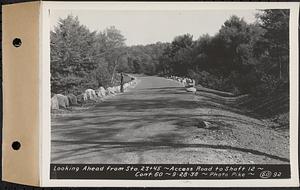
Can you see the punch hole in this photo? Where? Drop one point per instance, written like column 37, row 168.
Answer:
column 16, row 145
column 17, row 42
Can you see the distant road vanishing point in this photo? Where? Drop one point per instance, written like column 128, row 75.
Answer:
column 158, row 122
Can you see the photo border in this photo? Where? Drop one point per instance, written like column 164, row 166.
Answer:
column 45, row 96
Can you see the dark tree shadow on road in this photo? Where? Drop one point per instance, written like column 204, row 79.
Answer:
column 96, row 129
column 154, row 145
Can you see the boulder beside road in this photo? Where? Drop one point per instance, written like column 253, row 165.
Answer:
column 110, row 90
column 54, row 103
column 90, row 94
column 101, row 92
column 80, row 98
column 72, row 99
column 191, row 89
column 63, row 101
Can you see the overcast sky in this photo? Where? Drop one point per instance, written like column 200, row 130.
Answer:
column 146, row 27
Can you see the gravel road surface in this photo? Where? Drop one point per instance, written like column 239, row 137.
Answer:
column 159, row 122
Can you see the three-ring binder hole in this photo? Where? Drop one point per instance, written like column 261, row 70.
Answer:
column 16, row 145
column 17, row 42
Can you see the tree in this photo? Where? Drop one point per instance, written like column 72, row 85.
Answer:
column 145, row 59
column 235, row 37
column 113, row 38
column 82, row 59
column 177, row 56
column 72, row 55
column 102, row 75
column 276, row 38
column 112, row 48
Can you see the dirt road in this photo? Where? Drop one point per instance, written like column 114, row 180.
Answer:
column 159, row 122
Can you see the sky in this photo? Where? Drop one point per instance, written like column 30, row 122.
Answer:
column 147, row 27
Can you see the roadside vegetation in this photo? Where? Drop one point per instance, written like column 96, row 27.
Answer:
column 241, row 58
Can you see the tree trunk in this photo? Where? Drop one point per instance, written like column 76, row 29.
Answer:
column 114, row 70
column 280, row 68
column 115, row 67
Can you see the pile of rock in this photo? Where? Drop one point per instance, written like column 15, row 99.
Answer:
column 188, row 83
column 61, row 101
